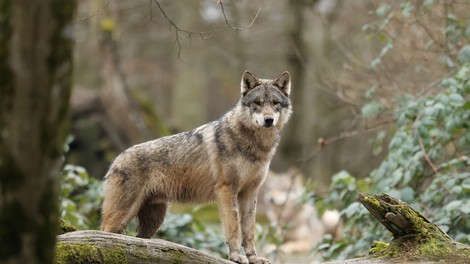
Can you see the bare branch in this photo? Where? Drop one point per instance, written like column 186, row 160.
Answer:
column 322, row 143
column 190, row 33
column 94, row 13
column 426, row 157
column 253, row 19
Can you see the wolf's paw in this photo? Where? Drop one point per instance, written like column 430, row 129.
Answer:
column 258, row 260
column 237, row 258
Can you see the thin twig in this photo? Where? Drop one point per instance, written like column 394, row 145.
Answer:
column 322, row 143
column 238, row 28
column 94, row 13
column 151, row 14
column 426, row 157
column 190, row 33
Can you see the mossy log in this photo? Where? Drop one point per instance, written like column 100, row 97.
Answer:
column 415, row 239
column 102, row 247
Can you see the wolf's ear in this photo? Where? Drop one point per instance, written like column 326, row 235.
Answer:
column 249, row 81
column 283, row 83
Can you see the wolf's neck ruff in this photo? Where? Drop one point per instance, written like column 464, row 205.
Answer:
column 225, row 160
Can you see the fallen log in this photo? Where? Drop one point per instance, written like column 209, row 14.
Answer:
column 101, row 247
column 415, row 239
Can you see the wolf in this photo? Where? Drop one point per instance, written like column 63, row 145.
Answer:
column 225, row 161
column 299, row 223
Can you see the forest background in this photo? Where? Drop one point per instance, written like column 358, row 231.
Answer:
column 381, row 97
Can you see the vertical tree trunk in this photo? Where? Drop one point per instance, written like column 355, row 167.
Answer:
column 291, row 145
column 189, row 95
column 35, row 85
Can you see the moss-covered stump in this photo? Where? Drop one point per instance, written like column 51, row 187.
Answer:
column 65, row 227
column 415, row 238
column 102, row 247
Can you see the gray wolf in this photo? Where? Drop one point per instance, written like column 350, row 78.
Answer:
column 225, row 161
column 298, row 221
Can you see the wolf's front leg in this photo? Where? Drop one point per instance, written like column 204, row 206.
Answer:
column 247, row 202
column 228, row 206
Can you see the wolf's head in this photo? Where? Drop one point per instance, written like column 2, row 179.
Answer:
column 267, row 100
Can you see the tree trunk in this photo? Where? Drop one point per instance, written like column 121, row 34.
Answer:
column 35, row 87
column 291, row 146
column 103, row 247
column 415, row 238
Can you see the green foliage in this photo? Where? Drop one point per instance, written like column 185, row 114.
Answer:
column 427, row 161
column 427, row 166
column 359, row 226
column 81, row 198
column 187, row 230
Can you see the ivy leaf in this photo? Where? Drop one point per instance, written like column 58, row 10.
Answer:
column 406, row 8
column 382, row 10
column 371, row 109
column 456, row 100
column 465, row 208
column 464, row 55
column 454, row 205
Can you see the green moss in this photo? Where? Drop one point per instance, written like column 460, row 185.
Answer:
column 77, row 253
column 434, row 250
column 177, row 256
column 419, row 239
column 65, row 227
column 378, row 247
column 417, row 248
column 88, row 253
column 114, row 255
column 372, row 200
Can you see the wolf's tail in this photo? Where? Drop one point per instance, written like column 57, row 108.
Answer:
column 150, row 218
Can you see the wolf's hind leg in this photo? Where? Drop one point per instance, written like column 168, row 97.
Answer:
column 150, row 218
column 119, row 207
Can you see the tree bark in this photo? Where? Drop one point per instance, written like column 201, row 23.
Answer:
column 415, row 238
column 35, row 87
column 291, row 145
column 103, row 247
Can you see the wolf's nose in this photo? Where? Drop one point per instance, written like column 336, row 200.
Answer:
column 268, row 121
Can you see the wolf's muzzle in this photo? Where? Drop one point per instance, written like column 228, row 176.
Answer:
column 268, row 121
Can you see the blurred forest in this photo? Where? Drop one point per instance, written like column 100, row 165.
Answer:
column 174, row 73
column 380, row 95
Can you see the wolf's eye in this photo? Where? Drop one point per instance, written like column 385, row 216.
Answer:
column 257, row 103
column 276, row 103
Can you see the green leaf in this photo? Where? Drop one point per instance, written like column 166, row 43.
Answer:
column 375, row 63
column 351, row 209
column 371, row 109
column 456, row 100
column 454, row 205
column 407, row 194
column 466, row 184
column 406, row 8
column 465, row 208
column 370, row 93
column 428, row 3
column 382, row 10
column 464, row 55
